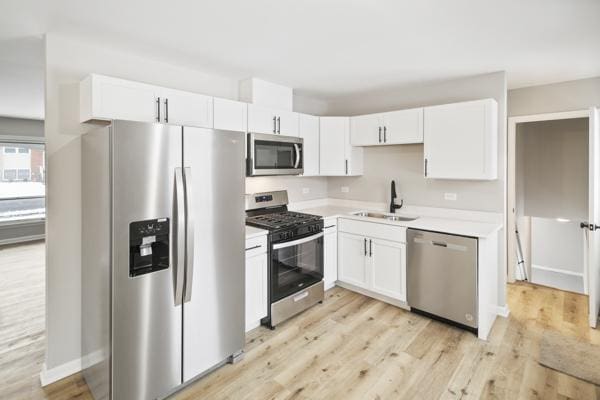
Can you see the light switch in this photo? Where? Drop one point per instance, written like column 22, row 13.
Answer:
column 345, row 189
column 305, row 190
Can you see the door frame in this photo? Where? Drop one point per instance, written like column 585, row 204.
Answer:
column 510, row 220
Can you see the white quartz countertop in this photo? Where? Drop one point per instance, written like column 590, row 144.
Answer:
column 252, row 232
column 430, row 223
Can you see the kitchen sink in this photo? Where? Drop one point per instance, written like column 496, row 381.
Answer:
column 389, row 217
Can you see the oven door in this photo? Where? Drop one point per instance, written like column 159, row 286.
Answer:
column 274, row 155
column 295, row 265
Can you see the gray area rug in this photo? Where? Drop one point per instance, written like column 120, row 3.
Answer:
column 570, row 356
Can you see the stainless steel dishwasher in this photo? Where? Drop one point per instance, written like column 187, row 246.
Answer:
column 442, row 276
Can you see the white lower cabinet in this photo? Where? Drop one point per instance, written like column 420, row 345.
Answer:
column 369, row 262
column 330, row 256
column 256, row 281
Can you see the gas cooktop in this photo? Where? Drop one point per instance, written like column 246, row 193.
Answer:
column 281, row 219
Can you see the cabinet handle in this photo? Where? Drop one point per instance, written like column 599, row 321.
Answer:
column 346, row 167
column 370, row 248
column 254, row 247
column 365, row 247
column 425, row 167
column 274, row 124
column 329, row 226
column 379, row 134
column 279, row 125
column 166, row 110
column 158, row 109
column 385, row 134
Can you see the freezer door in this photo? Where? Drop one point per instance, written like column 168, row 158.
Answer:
column 441, row 275
column 146, row 323
column 213, row 308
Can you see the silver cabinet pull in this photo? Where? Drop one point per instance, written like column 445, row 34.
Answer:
column 189, row 251
column 279, row 125
column 425, row 167
column 158, row 109
column 370, row 248
column 329, row 226
column 166, row 110
column 274, row 124
column 346, row 167
column 179, row 231
column 379, row 134
column 258, row 246
column 385, row 134
column 365, row 247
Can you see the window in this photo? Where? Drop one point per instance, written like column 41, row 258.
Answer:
column 22, row 181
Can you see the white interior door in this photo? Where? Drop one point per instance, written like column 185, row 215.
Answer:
column 593, row 252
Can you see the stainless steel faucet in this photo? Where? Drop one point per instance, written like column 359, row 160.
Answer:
column 393, row 206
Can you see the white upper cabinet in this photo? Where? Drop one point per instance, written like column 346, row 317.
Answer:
column 104, row 98
column 308, row 129
column 185, row 108
column 230, row 115
column 395, row 127
column 403, row 127
column 461, row 140
column 266, row 94
column 269, row 120
column 337, row 155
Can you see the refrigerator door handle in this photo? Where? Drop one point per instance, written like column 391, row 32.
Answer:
column 297, row 149
column 189, row 247
column 180, row 236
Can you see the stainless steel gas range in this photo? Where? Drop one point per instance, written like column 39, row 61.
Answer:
column 295, row 243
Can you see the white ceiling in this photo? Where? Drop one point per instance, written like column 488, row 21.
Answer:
column 333, row 48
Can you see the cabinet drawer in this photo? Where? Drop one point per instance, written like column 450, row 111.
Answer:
column 373, row 230
column 256, row 245
column 330, row 225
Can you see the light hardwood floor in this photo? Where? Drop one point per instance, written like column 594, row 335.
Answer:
column 350, row 347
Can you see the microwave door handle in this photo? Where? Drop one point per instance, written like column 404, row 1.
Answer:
column 189, row 224
column 297, row 148
column 297, row 242
column 179, row 232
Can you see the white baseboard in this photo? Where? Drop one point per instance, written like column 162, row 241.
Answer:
column 503, row 311
column 557, row 278
column 22, row 239
column 48, row 376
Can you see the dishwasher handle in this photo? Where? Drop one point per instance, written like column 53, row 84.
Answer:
column 446, row 245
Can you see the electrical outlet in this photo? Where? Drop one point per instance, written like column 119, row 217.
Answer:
column 450, row 196
column 305, row 190
column 345, row 189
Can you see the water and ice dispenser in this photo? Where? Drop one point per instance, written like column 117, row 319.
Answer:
column 148, row 246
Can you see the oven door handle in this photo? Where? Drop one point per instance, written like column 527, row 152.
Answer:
column 297, row 242
column 297, row 148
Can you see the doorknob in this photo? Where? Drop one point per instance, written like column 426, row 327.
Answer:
column 591, row 227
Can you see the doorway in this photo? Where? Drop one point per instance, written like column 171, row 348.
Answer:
column 552, row 163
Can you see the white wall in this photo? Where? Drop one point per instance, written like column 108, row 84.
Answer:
column 556, row 97
column 21, row 127
column 552, row 169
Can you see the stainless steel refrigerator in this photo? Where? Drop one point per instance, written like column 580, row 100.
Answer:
column 162, row 256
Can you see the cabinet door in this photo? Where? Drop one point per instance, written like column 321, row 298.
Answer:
column 388, row 268
column 121, row 99
column 287, row 123
column 330, row 257
column 404, row 126
column 261, row 119
column 353, row 155
column 188, row 109
column 334, row 132
column 461, row 140
column 366, row 130
column 352, row 260
column 230, row 115
column 308, row 129
column 256, row 290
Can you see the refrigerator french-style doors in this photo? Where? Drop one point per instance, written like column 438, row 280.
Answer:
column 213, row 308
column 146, row 341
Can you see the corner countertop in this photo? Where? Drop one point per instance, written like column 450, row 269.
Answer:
column 252, row 232
column 430, row 223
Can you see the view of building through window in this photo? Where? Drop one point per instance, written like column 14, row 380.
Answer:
column 22, row 181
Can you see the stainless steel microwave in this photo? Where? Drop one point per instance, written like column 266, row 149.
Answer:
column 274, row 155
